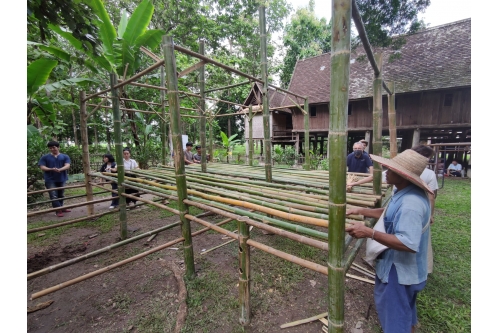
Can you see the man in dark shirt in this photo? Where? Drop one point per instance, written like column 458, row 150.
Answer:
column 55, row 174
column 359, row 162
column 188, row 154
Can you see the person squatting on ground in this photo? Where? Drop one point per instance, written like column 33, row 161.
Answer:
column 454, row 169
column 130, row 164
column 110, row 166
column 55, row 174
column 401, row 270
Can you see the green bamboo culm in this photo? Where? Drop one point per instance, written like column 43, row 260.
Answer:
column 244, row 273
column 392, row 120
column 337, row 151
column 307, row 163
column 265, row 96
column 119, row 155
column 203, row 119
column 180, row 175
column 85, row 151
column 377, row 125
column 163, row 124
column 211, row 141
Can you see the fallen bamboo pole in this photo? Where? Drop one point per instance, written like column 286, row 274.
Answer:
column 102, row 250
column 56, row 188
column 115, row 265
column 304, row 321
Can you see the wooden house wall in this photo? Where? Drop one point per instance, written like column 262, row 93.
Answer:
column 421, row 109
column 320, row 122
column 278, row 121
column 258, row 126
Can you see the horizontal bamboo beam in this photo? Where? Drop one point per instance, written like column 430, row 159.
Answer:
column 191, row 69
column 80, row 219
column 56, row 188
column 229, row 86
column 138, row 75
column 230, row 69
column 115, row 265
column 65, row 198
column 39, row 212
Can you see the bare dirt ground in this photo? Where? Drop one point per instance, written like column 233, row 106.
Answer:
column 142, row 296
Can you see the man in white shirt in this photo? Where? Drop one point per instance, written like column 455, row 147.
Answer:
column 454, row 169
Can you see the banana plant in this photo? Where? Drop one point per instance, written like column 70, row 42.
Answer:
column 228, row 143
column 120, row 49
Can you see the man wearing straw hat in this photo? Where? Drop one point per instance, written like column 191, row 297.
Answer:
column 401, row 270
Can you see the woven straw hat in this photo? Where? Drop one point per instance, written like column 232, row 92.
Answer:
column 409, row 165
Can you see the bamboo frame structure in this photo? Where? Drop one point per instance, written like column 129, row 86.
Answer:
column 296, row 196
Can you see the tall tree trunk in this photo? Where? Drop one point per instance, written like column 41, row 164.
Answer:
column 73, row 111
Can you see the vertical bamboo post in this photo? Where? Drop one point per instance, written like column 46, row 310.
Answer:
column 416, row 137
column 307, row 162
column 337, row 152
column 85, row 148
column 250, row 135
column 392, row 120
column 244, row 273
column 164, row 115
column 211, row 140
column 119, row 155
column 367, row 138
column 265, row 96
column 180, row 172
column 203, row 119
column 377, row 125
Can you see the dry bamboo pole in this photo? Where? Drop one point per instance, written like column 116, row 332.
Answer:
column 80, row 219
column 303, row 321
column 102, row 250
column 203, row 120
column 307, row 162
column 50, row 210
column 164, row 114
column 337, row 152
column 392, row 121
column 85, row 151
column 65, row 198
column 377, row 125
column 173, row 98
column 115, row 265
column 119, row 156
column 265, row 96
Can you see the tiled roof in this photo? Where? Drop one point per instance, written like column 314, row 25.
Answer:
column 436, row 58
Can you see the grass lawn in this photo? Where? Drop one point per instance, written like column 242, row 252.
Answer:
column 445, row 303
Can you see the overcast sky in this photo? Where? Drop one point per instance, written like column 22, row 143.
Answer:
column 439, row 11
